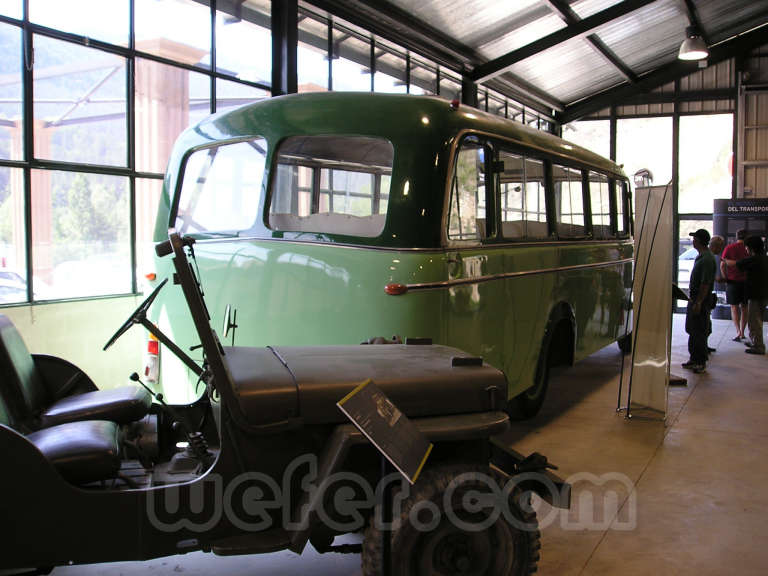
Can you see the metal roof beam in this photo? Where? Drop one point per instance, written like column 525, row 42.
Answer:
column 613, row 58
column 718, row 94
column 491, row 69
column 695, row 20
column 741, row 44
column 571, row 18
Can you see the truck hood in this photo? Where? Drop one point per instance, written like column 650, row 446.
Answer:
column 279, row 383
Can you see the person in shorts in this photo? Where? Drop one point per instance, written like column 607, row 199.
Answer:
column 734, row 283
column 756, row 267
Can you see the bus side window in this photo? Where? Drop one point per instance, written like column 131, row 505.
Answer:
column 512, row 183
column 466, row 217
column 600, row 204
column 523, row 198
column 569, row 201
column 535, row 210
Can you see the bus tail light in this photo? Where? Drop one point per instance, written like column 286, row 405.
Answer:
column 152, row 364
column 395, row 289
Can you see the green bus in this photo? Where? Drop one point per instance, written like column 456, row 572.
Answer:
column 337, row 218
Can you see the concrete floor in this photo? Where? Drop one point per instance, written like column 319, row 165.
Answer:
column 685, row 496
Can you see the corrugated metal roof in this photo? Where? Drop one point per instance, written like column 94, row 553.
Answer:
column 463, row 19
column 580, row 70
column 723, row 18
column 493, row 45
column 648, row 37
column 643, row 40
column 586, row 8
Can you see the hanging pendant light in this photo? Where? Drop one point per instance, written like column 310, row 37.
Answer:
column 693, row 47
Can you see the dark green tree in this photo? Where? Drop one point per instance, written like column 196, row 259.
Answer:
column 89, row 216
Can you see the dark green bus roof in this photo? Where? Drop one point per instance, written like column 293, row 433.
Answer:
column 387, row 115
column 422, row 129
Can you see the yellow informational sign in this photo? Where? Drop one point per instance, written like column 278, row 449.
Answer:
column 388, row 429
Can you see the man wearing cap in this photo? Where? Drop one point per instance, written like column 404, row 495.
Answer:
column 734, row 278
column 697, row 312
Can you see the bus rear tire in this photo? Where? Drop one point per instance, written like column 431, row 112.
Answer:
column 528, row 403
column 625, row 344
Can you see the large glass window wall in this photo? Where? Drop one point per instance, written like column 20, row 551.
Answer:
column 88, row 123
column 704, row 169
column 594, row 135
column 706, row 145
column 645, row 144
column 81, row 175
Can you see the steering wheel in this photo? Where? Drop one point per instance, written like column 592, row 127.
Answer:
column 138, row 315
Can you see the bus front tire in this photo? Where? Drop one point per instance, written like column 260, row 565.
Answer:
column 427, row 539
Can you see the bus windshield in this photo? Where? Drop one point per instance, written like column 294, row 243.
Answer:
column 221, row 188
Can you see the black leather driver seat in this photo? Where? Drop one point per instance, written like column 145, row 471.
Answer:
column 82, row 452
column 23, row 386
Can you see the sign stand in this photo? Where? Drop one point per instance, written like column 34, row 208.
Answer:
column 400, row 443
column 386, row 520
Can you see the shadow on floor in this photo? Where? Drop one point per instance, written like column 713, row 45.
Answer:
column 594, row 379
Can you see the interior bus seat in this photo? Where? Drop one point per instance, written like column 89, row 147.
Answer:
column 601, row 231
column 82, row 452
column 536, row 229
column 23, row 386
column 337, row 223
column 513, row 229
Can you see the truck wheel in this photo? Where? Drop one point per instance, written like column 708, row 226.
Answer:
column 429, row 541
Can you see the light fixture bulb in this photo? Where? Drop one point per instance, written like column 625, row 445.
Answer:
column 693, row 47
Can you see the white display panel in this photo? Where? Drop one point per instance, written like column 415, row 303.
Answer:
column 652, row 330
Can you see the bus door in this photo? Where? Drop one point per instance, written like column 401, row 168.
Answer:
column 474, row 298
column 523, row 230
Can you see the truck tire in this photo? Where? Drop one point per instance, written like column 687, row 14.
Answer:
column 426, row 544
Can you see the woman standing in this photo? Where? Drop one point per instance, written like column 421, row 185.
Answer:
column 756, row 287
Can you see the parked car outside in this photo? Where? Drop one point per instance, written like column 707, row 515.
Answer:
column 13, row 288
column 684, row 267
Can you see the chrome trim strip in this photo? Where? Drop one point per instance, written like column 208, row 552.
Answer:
column 480, row 279
column 627, row 241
